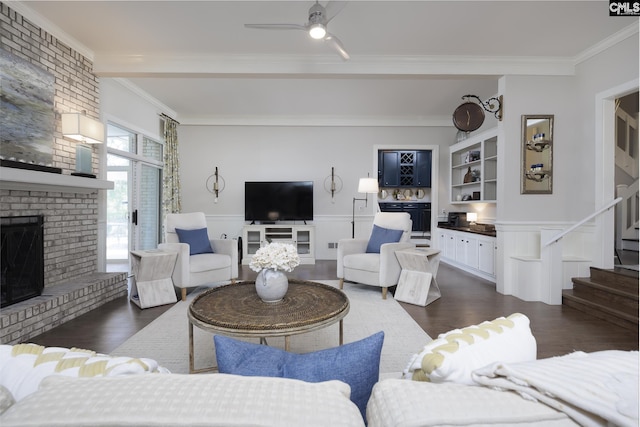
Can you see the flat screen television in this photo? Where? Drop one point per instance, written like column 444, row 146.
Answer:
column 278, row 201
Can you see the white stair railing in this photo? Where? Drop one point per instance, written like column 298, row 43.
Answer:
column 566, row 231
column 551, row 256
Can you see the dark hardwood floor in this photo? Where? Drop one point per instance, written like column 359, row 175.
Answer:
column 466, row 300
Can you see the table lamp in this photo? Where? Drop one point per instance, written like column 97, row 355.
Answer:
column 472, row 217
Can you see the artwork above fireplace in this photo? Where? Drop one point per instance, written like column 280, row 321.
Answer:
column 27, row 111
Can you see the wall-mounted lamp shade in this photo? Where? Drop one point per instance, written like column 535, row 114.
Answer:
column 82, row 128
column 472, row 217
column 368, row 185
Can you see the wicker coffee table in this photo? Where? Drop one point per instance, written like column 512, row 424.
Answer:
column 236, row 310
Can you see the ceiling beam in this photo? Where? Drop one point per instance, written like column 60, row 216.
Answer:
column 106, row 65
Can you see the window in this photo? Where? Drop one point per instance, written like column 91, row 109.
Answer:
column 134, row 164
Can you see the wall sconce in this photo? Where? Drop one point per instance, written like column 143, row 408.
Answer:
column 214, row 184
column 368, row 186
column 333, row 183
column 80, row 127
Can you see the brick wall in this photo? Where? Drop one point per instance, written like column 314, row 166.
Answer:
column 71, row 220
column 59, row 304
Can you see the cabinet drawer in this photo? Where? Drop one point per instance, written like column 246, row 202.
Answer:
column 391, row 207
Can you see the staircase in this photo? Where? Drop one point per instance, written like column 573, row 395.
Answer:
column 630, row 243
column 610, row 295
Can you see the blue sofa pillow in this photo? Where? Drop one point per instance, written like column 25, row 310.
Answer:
column 381, row 235
column 356, row 363
column 198, row 240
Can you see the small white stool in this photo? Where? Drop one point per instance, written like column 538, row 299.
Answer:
column 151, row 284
column 417, row 284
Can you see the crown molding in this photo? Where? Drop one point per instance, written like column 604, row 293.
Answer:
column 605, row 44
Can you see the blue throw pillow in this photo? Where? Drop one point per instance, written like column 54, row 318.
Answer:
column 198, row 240
column 356, row 363
column 381, row 235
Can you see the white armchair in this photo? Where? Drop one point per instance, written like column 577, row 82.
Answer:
column 375, row 269
column 202, row 268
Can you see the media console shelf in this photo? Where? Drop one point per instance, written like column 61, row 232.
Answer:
column 300, row 236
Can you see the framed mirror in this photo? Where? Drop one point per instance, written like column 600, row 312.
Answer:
column 537, row 154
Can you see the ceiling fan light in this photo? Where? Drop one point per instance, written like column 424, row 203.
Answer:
column 317, row 31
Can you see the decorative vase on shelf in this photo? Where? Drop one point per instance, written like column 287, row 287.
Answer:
column 271, row 285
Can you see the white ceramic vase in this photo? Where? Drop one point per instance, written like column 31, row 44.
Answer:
column 271, row 285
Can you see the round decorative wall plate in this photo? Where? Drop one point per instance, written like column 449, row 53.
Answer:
column 468, row 117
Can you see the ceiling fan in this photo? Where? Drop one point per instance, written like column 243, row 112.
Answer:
column 319, row 17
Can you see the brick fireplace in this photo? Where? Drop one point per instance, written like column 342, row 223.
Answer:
column 68, row 204
column 68, row 208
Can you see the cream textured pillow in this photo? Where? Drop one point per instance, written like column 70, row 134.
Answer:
column 455, row 354
column 24, row 366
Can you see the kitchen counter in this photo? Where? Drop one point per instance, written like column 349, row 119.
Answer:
column 387, row 201
column 467, row 229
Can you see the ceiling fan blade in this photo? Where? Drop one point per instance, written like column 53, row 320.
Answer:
column 333, row 8
column 276, row 26
column 337, row 45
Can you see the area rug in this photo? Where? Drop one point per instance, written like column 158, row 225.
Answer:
column 166, row 339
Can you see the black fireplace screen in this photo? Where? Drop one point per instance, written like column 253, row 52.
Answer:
column 22, row 261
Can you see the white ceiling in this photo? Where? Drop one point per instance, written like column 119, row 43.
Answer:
column 410, row 60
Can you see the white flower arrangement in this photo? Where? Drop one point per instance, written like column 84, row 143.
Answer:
column 278, row 256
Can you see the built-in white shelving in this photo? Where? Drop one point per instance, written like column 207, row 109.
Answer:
column 474, row 166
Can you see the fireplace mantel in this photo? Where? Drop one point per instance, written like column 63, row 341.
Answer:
column 23, row 179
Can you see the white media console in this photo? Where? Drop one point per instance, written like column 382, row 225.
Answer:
column 300, row 236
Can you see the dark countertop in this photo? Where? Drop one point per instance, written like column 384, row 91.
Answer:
column 467, row 229
column 401, row 201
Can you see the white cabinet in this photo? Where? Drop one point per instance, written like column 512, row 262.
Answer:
column 474, row 166
column 471, row 252
column 487, row 255
column 467, row 249
column 300, row 236
column 447, row 243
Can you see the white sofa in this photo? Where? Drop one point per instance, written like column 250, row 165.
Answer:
column 448, row 382
column 184, row 400
column 70, row 387
column 400, row 402
column 157, row 399
column 588, row 389
column 488, row 374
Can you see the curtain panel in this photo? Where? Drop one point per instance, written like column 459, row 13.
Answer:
column 171, row 202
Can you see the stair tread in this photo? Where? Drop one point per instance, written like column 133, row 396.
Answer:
column 579, row 305
column 586, row 281
column 618, row 271
column 629, row 314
